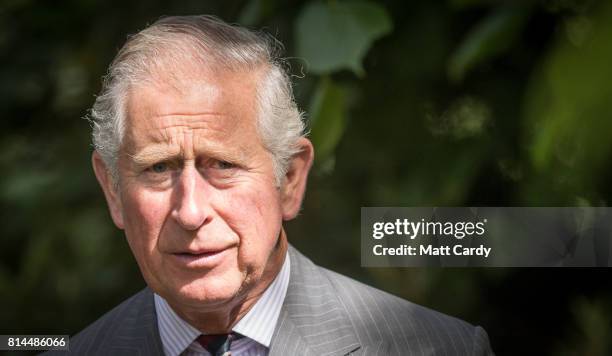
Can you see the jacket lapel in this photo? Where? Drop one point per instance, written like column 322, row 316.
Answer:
column 138, row 333
column 312, row 320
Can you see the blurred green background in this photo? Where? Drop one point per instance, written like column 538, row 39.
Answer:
column 410, row 103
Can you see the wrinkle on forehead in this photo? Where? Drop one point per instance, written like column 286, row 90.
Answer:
column 202, row 127
column 185, row 142
column 169, row 127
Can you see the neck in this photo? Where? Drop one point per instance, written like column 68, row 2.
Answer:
column 222, row 319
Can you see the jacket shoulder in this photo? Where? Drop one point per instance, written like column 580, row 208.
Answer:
column 380, row 318
column 126, row 321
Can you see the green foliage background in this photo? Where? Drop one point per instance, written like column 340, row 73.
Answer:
column 421, row 103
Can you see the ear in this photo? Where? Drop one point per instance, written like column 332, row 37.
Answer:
column 294, row 183
column 106, row 182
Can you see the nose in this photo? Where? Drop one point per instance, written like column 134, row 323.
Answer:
column 191, row 209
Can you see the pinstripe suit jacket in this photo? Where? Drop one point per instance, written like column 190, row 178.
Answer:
column 324, row 313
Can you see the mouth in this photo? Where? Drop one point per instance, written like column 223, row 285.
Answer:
column 201, row 259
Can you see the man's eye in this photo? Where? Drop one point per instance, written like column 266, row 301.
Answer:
column 223, row 165
column 159, row 167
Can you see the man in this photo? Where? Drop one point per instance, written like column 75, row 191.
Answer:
column 201, row 154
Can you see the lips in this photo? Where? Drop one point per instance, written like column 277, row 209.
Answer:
column 201, row 258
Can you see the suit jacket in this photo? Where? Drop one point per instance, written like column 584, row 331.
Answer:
column 324, row 313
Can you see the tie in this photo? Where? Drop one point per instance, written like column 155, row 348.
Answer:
column 219, row 344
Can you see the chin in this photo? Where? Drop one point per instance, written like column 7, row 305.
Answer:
column 208, row 291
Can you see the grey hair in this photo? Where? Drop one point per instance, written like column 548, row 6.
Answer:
column 166, row 47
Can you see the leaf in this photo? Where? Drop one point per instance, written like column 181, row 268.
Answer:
column 569, row 105
column 337, row 35
column 490, row 38
column 328, row 120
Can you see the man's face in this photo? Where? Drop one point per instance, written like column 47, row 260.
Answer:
column 198, row 198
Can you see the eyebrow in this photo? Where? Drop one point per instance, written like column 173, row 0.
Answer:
column 163, row 153
column 155, row 153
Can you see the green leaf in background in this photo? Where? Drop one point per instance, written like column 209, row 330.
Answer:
column 491, row 37
column 568, row 106
column 328, row 119
column 336, row 35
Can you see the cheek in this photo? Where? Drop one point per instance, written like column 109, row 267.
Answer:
column 144, row 215
column 255, row 215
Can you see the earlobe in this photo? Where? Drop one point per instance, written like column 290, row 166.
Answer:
column 108, row 187
column 295, row 180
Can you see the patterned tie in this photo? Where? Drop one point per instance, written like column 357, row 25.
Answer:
column 219, row 344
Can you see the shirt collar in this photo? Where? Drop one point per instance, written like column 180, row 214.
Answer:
column 258, row 324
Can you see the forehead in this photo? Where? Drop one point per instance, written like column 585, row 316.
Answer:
column 220, row 105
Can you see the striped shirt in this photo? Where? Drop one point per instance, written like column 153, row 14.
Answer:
column 179, row 337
